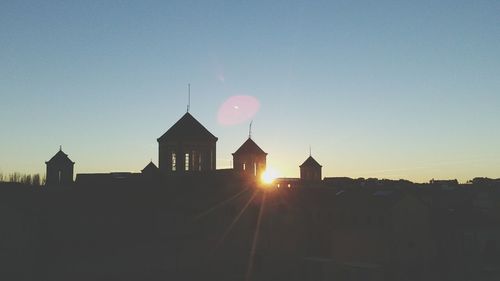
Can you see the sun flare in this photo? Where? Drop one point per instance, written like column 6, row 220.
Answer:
column 269, row 176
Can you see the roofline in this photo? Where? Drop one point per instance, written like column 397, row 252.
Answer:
column 47, row 162
column 248, row 153
column 214, row 137
column 303, row 165
column 211, row 136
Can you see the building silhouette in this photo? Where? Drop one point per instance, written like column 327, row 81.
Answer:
column 187, row 146
column 214, row 225
column 250, row 159
column 310, row 170
column 150, row 170
column 59, row 169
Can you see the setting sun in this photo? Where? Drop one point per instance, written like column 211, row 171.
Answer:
column 269, row 176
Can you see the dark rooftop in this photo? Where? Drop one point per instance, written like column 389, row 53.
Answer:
column 249, row 147
column 60, row 156
column 187, row 128
column 310, row 162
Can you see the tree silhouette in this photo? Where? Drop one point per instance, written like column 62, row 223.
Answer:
column 27, row 179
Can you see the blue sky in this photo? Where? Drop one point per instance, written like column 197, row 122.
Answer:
column 388, row 89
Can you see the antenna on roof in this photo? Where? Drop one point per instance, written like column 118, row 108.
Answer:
column 309, row 150
column 250, row 130
column 189, row 96
column 60, row 147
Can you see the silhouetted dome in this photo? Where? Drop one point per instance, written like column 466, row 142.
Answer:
column 310, row 162
column 187, row 129
column 249, row 147
column 60, row 157
column 150, row 167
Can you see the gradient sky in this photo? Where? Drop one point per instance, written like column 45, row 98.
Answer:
column 387, row 89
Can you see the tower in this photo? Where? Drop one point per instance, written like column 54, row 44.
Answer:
column 310, row 170
column 250, row 159
column 187, row 146
column 59, row 169
column 150, row 171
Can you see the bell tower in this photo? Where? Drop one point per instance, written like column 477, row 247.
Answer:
column 310, row 170
column 59, row 169
column 187, row 146
column 250, row 159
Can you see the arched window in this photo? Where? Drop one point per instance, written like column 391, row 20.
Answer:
column 174, row 161
column 186, row 161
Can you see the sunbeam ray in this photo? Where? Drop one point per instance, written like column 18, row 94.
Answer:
column 255, row 239
column 220, row 204
column 235, row 220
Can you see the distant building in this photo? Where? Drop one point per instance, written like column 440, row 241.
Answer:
column 287, row 183
column 150, row 170
column 250, row 159
column 59, row 169
column 187, row 146
column 341, row 181
column 445, row 184
column 310, row 170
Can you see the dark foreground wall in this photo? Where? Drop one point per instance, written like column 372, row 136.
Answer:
column 230, row 229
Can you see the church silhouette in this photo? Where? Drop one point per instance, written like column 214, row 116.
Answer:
column 187, row 220
column 186, row 148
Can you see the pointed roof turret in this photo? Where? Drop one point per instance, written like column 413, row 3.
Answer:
column 310, row 162
column 150, row 167
column 187, row 128
column 59, row 157
column 249, row 147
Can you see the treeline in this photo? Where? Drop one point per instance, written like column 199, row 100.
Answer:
column 29, row 179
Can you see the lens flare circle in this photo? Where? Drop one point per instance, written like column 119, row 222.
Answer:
column 237, row 109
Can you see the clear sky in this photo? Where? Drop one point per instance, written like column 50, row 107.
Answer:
column 388, row 89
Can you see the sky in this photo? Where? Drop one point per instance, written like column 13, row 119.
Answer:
column 386, row 89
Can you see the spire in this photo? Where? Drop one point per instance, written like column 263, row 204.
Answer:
column 60, row 147
column 189, row 97
column 310, row 154
column 250, row 130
